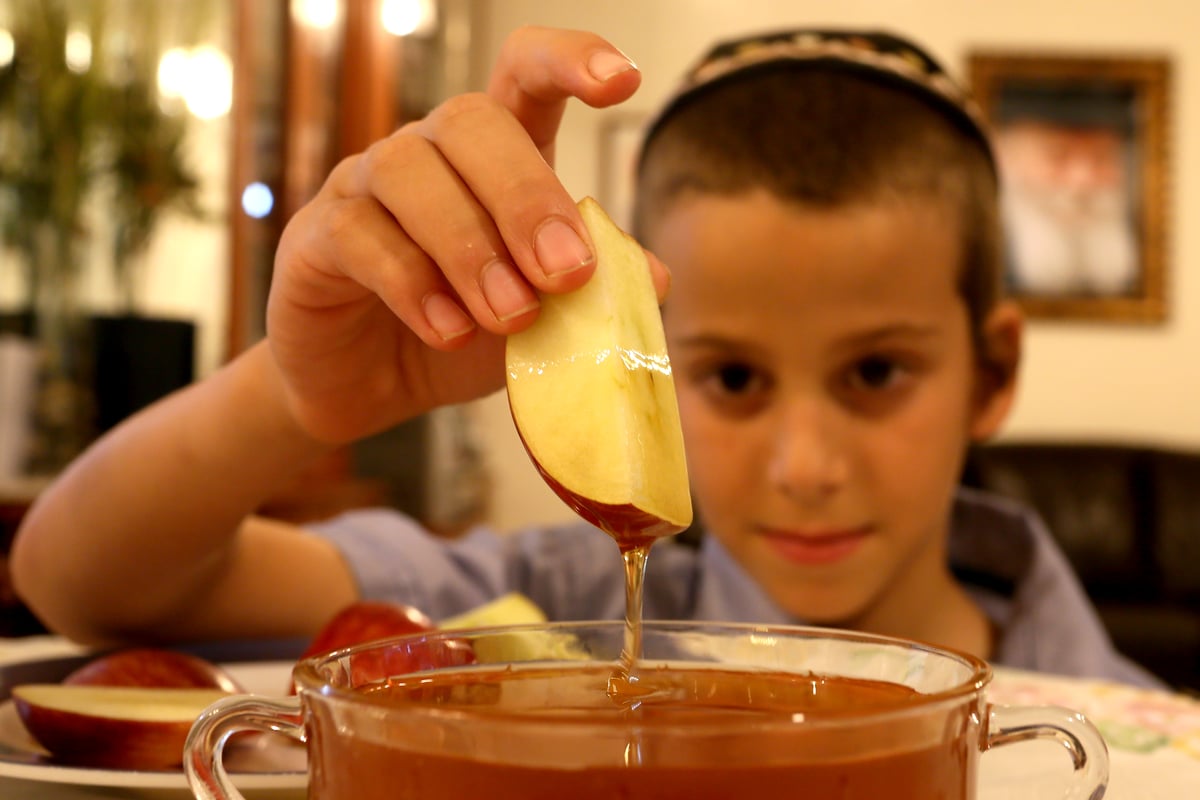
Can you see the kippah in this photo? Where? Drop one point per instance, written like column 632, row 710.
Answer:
column 883, row 56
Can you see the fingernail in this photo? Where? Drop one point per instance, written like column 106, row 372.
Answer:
column 505, row 291
column 605, row 64
column 559, row 249
column 446, row 317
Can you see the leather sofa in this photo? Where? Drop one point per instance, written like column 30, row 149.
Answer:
column 1128, row 518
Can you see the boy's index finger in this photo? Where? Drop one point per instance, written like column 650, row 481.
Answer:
column 540, row 69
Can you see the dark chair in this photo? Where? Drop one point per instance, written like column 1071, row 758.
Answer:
column 1128, row 519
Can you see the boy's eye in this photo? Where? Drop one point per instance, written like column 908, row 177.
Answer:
column 734, row 378
column 733, row 387
column 875, row 372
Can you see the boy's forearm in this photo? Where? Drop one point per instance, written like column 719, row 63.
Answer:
column 147, row 517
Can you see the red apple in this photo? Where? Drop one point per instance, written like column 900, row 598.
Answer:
column 114, row 727
column 367, row 621
column 593, row 398
column 152, row 667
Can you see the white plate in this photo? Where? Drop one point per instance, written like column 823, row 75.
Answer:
column 270, row 763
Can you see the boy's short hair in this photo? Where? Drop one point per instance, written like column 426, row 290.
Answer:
column 827, row 119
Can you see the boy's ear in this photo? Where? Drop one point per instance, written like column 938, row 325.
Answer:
column 996, row 369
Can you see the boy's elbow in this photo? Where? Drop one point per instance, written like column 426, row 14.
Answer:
column 26, row 565
column 37, row 571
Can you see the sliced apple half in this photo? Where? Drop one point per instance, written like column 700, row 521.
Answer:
column 115, row 727
column 591, row 392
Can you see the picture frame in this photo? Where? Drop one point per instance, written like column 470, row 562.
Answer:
column 1081, row 147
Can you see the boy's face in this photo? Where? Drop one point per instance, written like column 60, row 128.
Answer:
column 828, row 388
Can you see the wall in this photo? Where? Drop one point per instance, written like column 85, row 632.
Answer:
column 1107, row 381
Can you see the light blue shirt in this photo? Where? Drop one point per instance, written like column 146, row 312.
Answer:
column 1000, row 551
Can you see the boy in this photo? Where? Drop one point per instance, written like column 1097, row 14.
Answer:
column 827, row 202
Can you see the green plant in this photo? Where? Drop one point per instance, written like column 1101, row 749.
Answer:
column 51, row 123
column 86, row 155
column 71, row 138
column 150, row 175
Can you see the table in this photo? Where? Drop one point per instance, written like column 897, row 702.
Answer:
column 1153, row 739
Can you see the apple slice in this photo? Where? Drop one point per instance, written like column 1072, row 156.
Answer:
column 153, row 667
column 114, row 727
column 591, row 392
column 513, row 608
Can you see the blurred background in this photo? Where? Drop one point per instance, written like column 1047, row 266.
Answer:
column 152, row 150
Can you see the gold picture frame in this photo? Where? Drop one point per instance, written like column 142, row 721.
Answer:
column 1081, row 144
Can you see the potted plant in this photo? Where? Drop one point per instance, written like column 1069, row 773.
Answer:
column 49, row 166
column 86, row 148
column 140, row 358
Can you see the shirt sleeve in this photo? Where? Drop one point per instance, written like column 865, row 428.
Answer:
column 570, row 571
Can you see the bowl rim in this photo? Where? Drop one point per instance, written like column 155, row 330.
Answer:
column 309, row 680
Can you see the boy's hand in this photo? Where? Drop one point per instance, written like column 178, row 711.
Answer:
column 394, row 287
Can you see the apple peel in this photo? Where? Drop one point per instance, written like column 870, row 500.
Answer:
column 150, row 667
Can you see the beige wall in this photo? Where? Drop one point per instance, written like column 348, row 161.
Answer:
column 1079, row 380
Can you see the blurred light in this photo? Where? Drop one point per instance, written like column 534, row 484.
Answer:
column 202, row 77
column 210, row 86
column 78, row 51
column 257, row 200
column 315, row 13
column 8, row 47
column 404, row 17
column 173, row 71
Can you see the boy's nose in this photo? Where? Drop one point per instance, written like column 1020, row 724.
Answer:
column 807, row 462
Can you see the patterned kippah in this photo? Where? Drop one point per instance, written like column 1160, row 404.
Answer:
column 882, row 56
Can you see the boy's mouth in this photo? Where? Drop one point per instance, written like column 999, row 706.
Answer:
column 816, row 547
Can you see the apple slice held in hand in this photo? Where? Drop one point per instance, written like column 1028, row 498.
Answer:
column 114, row 727
column 591, row 392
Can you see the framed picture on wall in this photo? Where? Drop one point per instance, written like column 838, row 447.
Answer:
column 1081, row 143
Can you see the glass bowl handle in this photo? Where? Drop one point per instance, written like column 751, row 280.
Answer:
column 203, row 753
column 1071, row 729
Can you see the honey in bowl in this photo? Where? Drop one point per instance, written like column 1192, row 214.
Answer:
column 719, row 710
column 696, row 731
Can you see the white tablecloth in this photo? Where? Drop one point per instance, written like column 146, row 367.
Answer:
column 1153, row 740
column 34, row 648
